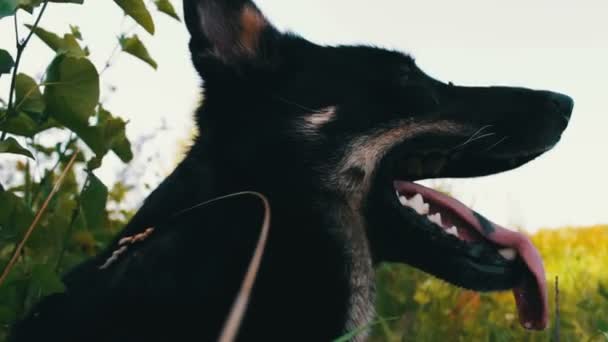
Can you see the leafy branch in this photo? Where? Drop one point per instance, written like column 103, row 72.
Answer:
column 20, row 48
column 39, row 214
column 50, row 218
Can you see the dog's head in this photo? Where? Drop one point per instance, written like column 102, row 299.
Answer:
column 363, row 123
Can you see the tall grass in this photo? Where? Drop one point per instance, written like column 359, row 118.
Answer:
column 431, row 310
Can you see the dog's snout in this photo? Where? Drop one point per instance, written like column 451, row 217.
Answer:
column 561, row 105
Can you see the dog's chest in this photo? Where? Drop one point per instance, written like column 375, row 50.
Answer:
column 351, row 229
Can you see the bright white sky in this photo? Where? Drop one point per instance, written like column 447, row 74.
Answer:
column 555, row 45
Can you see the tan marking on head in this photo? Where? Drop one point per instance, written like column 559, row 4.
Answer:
column 252, row 25
column 312, row 122
column 351, row 177
column 365, row 152
column 321, row 117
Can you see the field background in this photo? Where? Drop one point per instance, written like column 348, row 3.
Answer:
column 418, row 307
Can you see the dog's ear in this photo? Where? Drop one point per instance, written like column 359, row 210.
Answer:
column 229, row 30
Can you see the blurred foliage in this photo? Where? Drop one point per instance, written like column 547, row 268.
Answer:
column 44, row 122
column 431, row 310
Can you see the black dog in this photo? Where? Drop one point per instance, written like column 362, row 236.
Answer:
column 333, row 137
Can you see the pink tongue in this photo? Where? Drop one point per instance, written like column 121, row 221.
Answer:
column 531, row 294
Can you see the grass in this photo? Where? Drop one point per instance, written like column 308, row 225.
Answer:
column 431, row 310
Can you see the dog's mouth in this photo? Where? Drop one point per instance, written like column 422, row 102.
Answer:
column 457, row 244
column 504, row 250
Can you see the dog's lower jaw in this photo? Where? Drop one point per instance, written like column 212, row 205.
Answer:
column 350, row 228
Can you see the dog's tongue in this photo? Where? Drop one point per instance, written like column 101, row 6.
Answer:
column 531, row 293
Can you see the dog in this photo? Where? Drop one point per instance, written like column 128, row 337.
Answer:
column 332, row 138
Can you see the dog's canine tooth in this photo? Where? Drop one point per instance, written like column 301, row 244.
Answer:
column 403, row 200
column 436, row 219
column 508, row 253
column 452, row 231
column 426, row 208
column 417, row 203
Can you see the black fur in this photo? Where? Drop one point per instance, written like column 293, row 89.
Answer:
column 178, row 284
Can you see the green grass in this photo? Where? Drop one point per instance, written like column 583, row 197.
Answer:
column 431, row 310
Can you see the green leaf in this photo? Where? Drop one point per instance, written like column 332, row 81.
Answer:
column 6, row 61
column 10, row 145
column 76, row 32
column 44, row 281
column 15, row 216
column 20, row 125
column 7, row 7
column 68, row 1
column 119, row 143
column 166, row 7
column 67, row 44
column 24, row 125
column 603, row 291
column 108, row 134
column 72, row 91
column 49, row 38
column 29, row 5
column 28, row 97
column 135, row 47
column 137, row 10
column 51, row 232
column 94, row 198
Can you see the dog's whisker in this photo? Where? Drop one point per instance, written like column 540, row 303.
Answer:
column 470, row 141
column 479, row 131
column 289, row 102
column 497, row 143
column 473, row 136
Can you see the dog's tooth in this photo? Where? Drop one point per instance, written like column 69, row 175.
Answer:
column 417, row 203
column 508, row 253
column 436, row 219
column 403, row 200
column 417, row 199
column 426, row 208
column 452, row 231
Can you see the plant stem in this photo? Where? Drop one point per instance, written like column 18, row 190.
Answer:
column 556, row 328
column 20, row 48
column 51, row 171
column 39, row 214
column 75, row 214
column 15, row 22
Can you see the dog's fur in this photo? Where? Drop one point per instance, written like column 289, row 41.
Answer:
column 321, row 131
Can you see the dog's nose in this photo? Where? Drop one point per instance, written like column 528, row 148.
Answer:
column 561, row 104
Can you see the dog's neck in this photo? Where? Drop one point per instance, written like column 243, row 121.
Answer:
column 349, row 227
